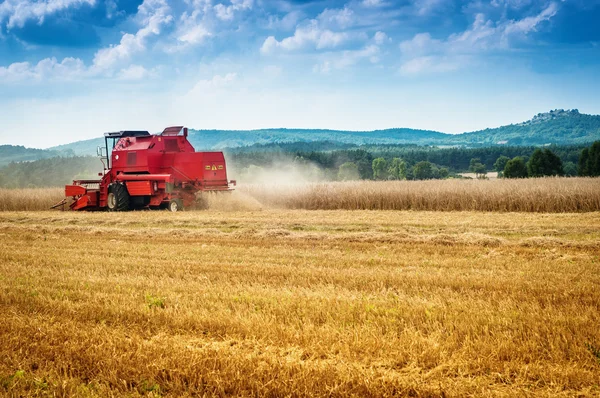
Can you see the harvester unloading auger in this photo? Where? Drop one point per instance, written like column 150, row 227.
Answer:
column 150, row 171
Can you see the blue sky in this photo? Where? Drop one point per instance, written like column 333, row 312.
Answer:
column 72, row 69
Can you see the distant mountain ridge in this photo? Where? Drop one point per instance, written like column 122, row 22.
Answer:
column 560, row 127
column 18, row 153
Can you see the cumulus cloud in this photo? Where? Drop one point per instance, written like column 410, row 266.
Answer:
column 191, row 30
column 287, row 22
column 381, row 38
column 227, row 13
column 348, row 27
column 310, row 35
column 133, row 72
column 348, row 58
column 17, row 12
column 420, row 44
column 372, row 3
column 67, row 69
column 427, row 7
column 340, row 18
column 423, row 53
column 154, row 14
column 207, row 87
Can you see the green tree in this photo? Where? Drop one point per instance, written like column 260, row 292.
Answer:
column 570, row 169
column 478, row 168
column 583, row 167
column 595, row 159
column 500, row 164
column 348, row 171
column 397, row 169
column 379, row 168
column 363, row 160
column 544, row 163
column 422, row 170
column 444, row 172
column 515, row 168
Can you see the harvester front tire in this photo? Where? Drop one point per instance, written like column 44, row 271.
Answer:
column 175, row 205
column 118, row 198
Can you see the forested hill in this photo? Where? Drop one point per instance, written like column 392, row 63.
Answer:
column 17, row 153
column 557, row 127
column 218, row 139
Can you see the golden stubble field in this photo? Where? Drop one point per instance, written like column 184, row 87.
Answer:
column 297, row 302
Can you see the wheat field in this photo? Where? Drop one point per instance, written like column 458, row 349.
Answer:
column 294, row 302
column 544, row 195
column 504, row 195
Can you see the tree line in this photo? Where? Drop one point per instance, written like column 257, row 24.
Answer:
column 400, row 162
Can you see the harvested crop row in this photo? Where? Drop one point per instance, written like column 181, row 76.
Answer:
column 90, row 306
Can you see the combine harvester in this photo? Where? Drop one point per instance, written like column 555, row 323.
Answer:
column 149, row 171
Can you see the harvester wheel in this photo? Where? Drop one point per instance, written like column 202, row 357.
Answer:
column 118, row 198
column 175, row 205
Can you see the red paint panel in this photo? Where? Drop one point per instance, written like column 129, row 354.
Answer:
column 139, row 188
column 74, row 190
column 81, row 203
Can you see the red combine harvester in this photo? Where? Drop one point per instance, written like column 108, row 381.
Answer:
column 150, row 171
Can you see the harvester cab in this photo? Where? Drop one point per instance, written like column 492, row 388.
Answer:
column 142, row 170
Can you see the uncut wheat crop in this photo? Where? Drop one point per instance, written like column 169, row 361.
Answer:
column 554, row 195
column 30, row 198
column 527, row 195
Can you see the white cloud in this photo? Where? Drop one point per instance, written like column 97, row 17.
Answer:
column 427, row 7
column 344, row 59
column 112, row 9
column 199, row 5
column 134, row 72
column 423, row 53
column 530, row 24
column 48, row 68
column 431, row 64
column 421, row 43
column 288, row 22
column 510, row 3
column 154, row 14
column 194, row 35
column 310, row 35
column 227, row 13
column 372, row 3
column 20, row 11
column 341, row 18
column 191, row 30
column 207, row 87
column 381, row 38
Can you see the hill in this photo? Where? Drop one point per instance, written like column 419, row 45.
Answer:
column 17, row 153
column 559, row 127
column 221, row 139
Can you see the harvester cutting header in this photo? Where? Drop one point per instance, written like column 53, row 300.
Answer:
column 150, row 171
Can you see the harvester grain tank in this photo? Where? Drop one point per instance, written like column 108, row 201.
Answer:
column 150, row 171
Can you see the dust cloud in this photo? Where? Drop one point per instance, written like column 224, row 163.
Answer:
column 281, row 174
column 281, row 177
